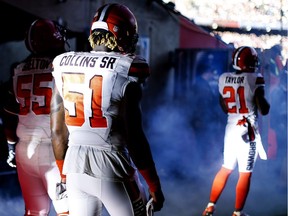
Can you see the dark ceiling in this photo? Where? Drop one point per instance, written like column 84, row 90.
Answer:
column 14, row 22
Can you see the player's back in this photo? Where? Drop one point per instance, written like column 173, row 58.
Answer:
column 238, row 91
column 33, row 84
column 92, row 86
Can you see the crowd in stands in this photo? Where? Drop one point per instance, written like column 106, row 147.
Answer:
column 257, row 14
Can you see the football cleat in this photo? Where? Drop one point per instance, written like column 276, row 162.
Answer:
column 209, row 211
column 63, row 214
column 237, row 213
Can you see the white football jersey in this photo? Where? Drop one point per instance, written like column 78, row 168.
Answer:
column 92, row 86
column 33, row 84
column 238, row 93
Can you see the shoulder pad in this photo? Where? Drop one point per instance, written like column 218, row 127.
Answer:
column 139, row 68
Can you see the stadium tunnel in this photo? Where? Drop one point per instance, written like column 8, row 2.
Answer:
column 15, row 21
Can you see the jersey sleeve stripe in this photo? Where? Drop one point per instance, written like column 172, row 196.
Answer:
column 139, row 70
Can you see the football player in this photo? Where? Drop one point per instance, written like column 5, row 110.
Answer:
column 242, row 95
column 27, row 121
column 98, row 95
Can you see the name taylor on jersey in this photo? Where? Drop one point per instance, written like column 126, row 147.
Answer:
column 234, row 80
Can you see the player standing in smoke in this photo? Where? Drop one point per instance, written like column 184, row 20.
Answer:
column 242, row 96
column 99, row 102
column 27, row 121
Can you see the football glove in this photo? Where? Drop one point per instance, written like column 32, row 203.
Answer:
column 61, row 192
column 150, row 208
column 11, row 160
column 61, row 202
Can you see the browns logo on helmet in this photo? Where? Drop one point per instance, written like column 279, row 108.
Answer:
column 45, row 37
column 121, row 22
column 245, row 58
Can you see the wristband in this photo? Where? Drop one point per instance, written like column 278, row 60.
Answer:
column 11, row 145
column 151, row 177
column 60, row 164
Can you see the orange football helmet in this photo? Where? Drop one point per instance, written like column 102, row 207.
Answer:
column 121, row 22
column 245, row 58
column 45, row 37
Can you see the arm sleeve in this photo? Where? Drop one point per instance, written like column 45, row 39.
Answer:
column 222, row 104
column 10, row 111
column 261, row 102
column 59, row 130
column 138, row 145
